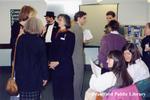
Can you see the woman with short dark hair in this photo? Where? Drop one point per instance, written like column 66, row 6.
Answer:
column 61, row 60
column 113, row 25
column 136, row 67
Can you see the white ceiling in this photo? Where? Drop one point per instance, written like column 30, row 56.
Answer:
column 124, row 0
column 81, row 1
column 103, row 0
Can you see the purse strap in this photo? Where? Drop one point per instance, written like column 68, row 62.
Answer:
column 14, row 58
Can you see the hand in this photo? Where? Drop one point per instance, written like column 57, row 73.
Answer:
column 44, row 82
column 101, row 65
column 53, row 64
column 43, row 31
column 147, row 49
column 23, row 22
column 21, row 31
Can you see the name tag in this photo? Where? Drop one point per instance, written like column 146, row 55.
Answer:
column 62, row 38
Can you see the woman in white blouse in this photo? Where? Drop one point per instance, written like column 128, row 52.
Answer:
column 137, row 69
column 117, row 76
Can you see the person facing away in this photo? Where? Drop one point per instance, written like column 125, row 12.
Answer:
column 78, row 54
column 31, row 61
column 117, row 77
column 109, row 42
column 26, row 12
column 61, row 60
column 137, row 69
column 146, row 45
column 110, row 15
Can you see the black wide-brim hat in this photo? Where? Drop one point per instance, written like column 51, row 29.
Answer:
column 49, row 14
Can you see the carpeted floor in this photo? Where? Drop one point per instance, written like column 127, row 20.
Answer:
column 47, row 91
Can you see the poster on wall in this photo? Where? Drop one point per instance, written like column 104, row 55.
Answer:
column 14, row 15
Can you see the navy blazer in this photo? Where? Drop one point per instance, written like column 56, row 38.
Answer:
column 62, row 51
column 146, row 54
column 31, row 63
column 15, row 30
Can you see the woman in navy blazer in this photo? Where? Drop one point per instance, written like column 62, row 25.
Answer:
column 61, row 60
column 31, row 71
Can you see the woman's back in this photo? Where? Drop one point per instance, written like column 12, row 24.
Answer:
column 30, row 61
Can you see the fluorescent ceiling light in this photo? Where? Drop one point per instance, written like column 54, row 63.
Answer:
column 99, row 1
column 148, row 1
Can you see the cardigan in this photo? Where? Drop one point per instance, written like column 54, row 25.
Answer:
column 110, row 42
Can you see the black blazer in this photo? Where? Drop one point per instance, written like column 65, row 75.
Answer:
column 146, row 55
column 54, row 31
column 31, row 63
column 62, row 50
column 15, row 30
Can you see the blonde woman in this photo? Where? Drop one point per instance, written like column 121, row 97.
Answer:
column 31, row 62
column 17, row 28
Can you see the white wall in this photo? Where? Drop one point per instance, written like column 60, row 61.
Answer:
column 130, row 12
column 69, row 7
column 149, row 12
column 5, row 58
column 5, row 6
column 58, row 6
column 89, row 1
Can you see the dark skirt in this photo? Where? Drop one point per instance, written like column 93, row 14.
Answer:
column 34, row 95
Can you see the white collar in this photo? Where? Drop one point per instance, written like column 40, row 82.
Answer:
column 114, row 32
column 138, row 60
column 52, row 24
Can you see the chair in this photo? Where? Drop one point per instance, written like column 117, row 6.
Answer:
column 99, row 97
column 144, row 88
column 92, row 95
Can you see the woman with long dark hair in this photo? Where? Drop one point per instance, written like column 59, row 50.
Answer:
column 116, row 77
column 137, row 69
